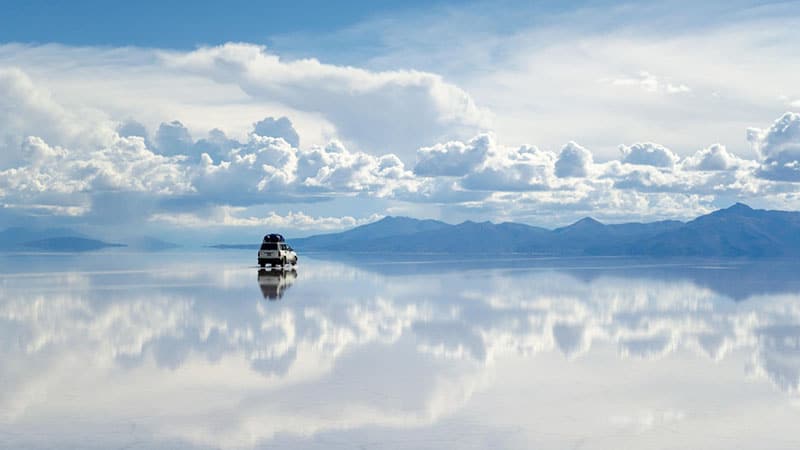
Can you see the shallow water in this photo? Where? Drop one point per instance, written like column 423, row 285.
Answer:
column 201, row 350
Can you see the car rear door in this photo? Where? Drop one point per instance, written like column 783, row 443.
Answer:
column 269, row 250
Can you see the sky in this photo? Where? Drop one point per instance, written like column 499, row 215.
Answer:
column 210, row 121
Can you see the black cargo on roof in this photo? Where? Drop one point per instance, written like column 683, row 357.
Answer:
column 273, row 238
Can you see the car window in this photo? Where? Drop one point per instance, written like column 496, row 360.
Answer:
column 269, row 246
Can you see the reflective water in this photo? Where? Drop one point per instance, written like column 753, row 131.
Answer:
column 204, row 350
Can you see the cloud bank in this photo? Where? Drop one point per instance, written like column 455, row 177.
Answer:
column 67, row 159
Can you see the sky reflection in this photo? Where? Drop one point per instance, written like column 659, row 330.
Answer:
column 166, row 353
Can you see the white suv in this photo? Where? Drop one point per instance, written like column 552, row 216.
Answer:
column 274, row 251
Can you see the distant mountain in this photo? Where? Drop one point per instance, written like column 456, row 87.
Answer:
column 735, row 231
column 14, row 237
column 386, row 228
column 236, row 246
column 49, row 239
column 466, row 237
column 591, row 237
column 68, row 244
column 150, row 244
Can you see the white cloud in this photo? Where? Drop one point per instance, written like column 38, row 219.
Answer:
column 390, row 111
column 173, row 139
column 335, row 169
column 650, row 83
column 645, row 80
column 573, row 161
column 264, row 165
column 280, row 127
column 438, row 190
column 715, row 157
column 677, row 88
column 779, row 148
column 453, row 158
column 230, row 216
column 268, row 170
column 125, row 165
column 646, row 420
column 513, row 169
column 26, row 109
column 648, row 154
column 484, row 165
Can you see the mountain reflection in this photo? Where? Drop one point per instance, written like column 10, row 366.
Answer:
column 274, row 282
column 358, row 348
column 736, row 278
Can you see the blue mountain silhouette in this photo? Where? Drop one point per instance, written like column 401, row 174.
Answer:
column 48, row 239
column 736, row 231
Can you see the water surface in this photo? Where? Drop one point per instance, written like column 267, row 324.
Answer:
column 203, row 350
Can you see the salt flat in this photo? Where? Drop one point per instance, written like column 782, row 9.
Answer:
column 201, row 350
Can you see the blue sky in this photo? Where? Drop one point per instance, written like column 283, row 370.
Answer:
column 185, row 25
column 210, row 120
column 182, row 25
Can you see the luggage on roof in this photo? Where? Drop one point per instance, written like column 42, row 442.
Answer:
column 273, row 238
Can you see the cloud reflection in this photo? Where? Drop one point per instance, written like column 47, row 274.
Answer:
column 348, row 348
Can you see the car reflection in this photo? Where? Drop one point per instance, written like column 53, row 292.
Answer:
column 275, row 282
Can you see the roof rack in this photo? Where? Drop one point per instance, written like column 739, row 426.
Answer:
column 273, row 238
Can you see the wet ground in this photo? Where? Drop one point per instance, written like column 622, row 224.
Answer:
column 204, row 350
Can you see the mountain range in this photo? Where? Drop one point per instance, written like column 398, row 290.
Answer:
column 67, row 240
column 735, row 231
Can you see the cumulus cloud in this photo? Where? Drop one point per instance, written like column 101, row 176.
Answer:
column 573, row 161
column 779, row 148
column 440, row 190
column 26, row 109
column 713, row 158
column 173, row 138
column 392, row 111
column 484, row 165
column 513, row 169
column 217, row 145
column 334, row 168
column 648, row 179
column 648, row 154
column 268, row 169
column 264, row 165
column 125, row 165
column 453, row 158
column 280, row 127
column 132, row 128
